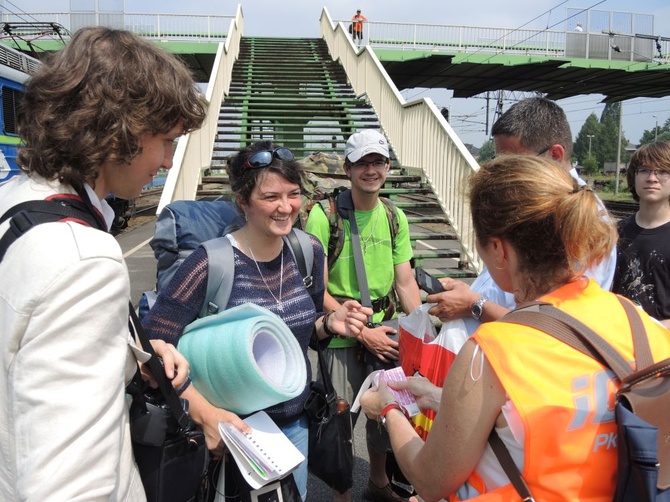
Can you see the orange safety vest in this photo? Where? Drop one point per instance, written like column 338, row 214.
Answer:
column 565, row 399
column 357, row 20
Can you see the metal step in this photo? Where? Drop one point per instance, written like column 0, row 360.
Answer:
column 290, row 91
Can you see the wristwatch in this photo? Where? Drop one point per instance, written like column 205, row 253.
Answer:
column 478, row 308
column 387, row 408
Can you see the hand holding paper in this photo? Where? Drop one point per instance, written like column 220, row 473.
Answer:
column 403, row 397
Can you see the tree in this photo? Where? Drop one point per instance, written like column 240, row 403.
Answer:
column 591, row 128
column 649, row 135
column 607, row 146
column 590, row 165
column 487, row 151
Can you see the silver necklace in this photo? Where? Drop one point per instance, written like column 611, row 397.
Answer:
column 281, row 271
column 364, row 243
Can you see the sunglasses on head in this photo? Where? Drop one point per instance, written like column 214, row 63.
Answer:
column 264, row 157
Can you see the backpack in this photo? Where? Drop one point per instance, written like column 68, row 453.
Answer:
column 336, row 207
column 642, row 409
column 26, row 215
column 182, row 226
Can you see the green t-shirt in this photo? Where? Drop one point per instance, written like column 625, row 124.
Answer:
column 378, row 255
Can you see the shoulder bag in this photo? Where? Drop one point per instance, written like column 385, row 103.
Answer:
column 331, row 454
column 171, row 453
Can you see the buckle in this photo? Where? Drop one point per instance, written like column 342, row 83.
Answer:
column 381, row 304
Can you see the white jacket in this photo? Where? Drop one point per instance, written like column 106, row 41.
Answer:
column 64, row 291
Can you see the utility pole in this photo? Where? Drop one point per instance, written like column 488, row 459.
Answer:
column 590, row 136
column 655, row 129
column 618, row 149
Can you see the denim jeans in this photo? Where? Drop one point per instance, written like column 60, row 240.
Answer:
column 298, row 433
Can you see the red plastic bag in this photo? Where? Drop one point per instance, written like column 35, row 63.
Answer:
column 429, row 358
column 415, row 330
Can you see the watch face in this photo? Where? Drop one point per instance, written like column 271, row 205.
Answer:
column 477, row 310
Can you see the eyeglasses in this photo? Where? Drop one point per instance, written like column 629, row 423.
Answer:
column 377, row 164
column 264, row 157
column 544, row 150
column 660, row 175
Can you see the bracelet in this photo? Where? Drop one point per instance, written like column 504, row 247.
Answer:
column 185, row 386
column 387, row 409
column 326, row 329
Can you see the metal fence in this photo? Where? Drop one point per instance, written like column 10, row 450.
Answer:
column 588, row 44
column 173, row 27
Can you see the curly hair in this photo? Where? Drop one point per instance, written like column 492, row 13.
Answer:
column 91, row 103
column 243, row 180
column 558, row 229
column 653, row 155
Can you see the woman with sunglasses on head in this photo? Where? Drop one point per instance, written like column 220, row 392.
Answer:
column 266, row 181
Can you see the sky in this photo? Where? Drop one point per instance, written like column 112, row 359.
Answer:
column 300, row 18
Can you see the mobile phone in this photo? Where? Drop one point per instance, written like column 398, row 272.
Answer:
column 427, row 282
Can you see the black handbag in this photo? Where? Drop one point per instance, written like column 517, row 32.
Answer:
column 171, row 453
column 331, row 454
column 238, row 490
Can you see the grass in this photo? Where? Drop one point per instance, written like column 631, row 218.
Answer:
column 606, row 192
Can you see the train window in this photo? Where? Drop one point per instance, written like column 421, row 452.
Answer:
column 10, row 103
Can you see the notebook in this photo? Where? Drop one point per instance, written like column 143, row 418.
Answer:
column 265, row 454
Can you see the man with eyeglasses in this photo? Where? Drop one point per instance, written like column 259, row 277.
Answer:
column 387, row 265
column 533, row 126
column 643, row 261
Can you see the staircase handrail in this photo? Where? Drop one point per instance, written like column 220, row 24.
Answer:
column 416, row 130
column 194, row 150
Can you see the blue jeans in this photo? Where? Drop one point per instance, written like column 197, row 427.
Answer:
column 298, row 433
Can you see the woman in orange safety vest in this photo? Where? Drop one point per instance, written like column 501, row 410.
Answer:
column 537, row 232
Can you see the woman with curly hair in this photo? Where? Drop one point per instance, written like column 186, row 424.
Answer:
column 99, row 117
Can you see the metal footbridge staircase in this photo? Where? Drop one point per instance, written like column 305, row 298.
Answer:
column 290, row 91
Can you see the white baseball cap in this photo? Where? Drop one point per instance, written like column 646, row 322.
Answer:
column 364, row 142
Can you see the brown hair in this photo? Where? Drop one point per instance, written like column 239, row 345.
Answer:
column 538, row 123
column 244, row 180
column 92, row 102
column 558, row 229
column 652, row 155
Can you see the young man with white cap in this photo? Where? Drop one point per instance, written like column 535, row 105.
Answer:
column 387, row 264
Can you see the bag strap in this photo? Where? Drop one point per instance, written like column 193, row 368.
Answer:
column 301, row 246
column 221, row 268
column 28, row 214
column 510, row 468
column 155, row 365
column 573, row 332
column 359, row 264
column 325, row 374
column 220, row 274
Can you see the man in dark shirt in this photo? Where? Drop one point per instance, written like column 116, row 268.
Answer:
column 643, row 260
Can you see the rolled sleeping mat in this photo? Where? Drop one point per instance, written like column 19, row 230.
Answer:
column 244, row 359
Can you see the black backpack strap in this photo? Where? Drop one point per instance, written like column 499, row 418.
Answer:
column 26, row 215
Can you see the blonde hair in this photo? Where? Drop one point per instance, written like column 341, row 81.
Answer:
column 558, row 229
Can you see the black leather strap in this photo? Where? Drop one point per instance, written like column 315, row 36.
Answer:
column 157, row 370
column 510, row 468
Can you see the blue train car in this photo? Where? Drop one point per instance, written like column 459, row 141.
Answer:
column 15, row 68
